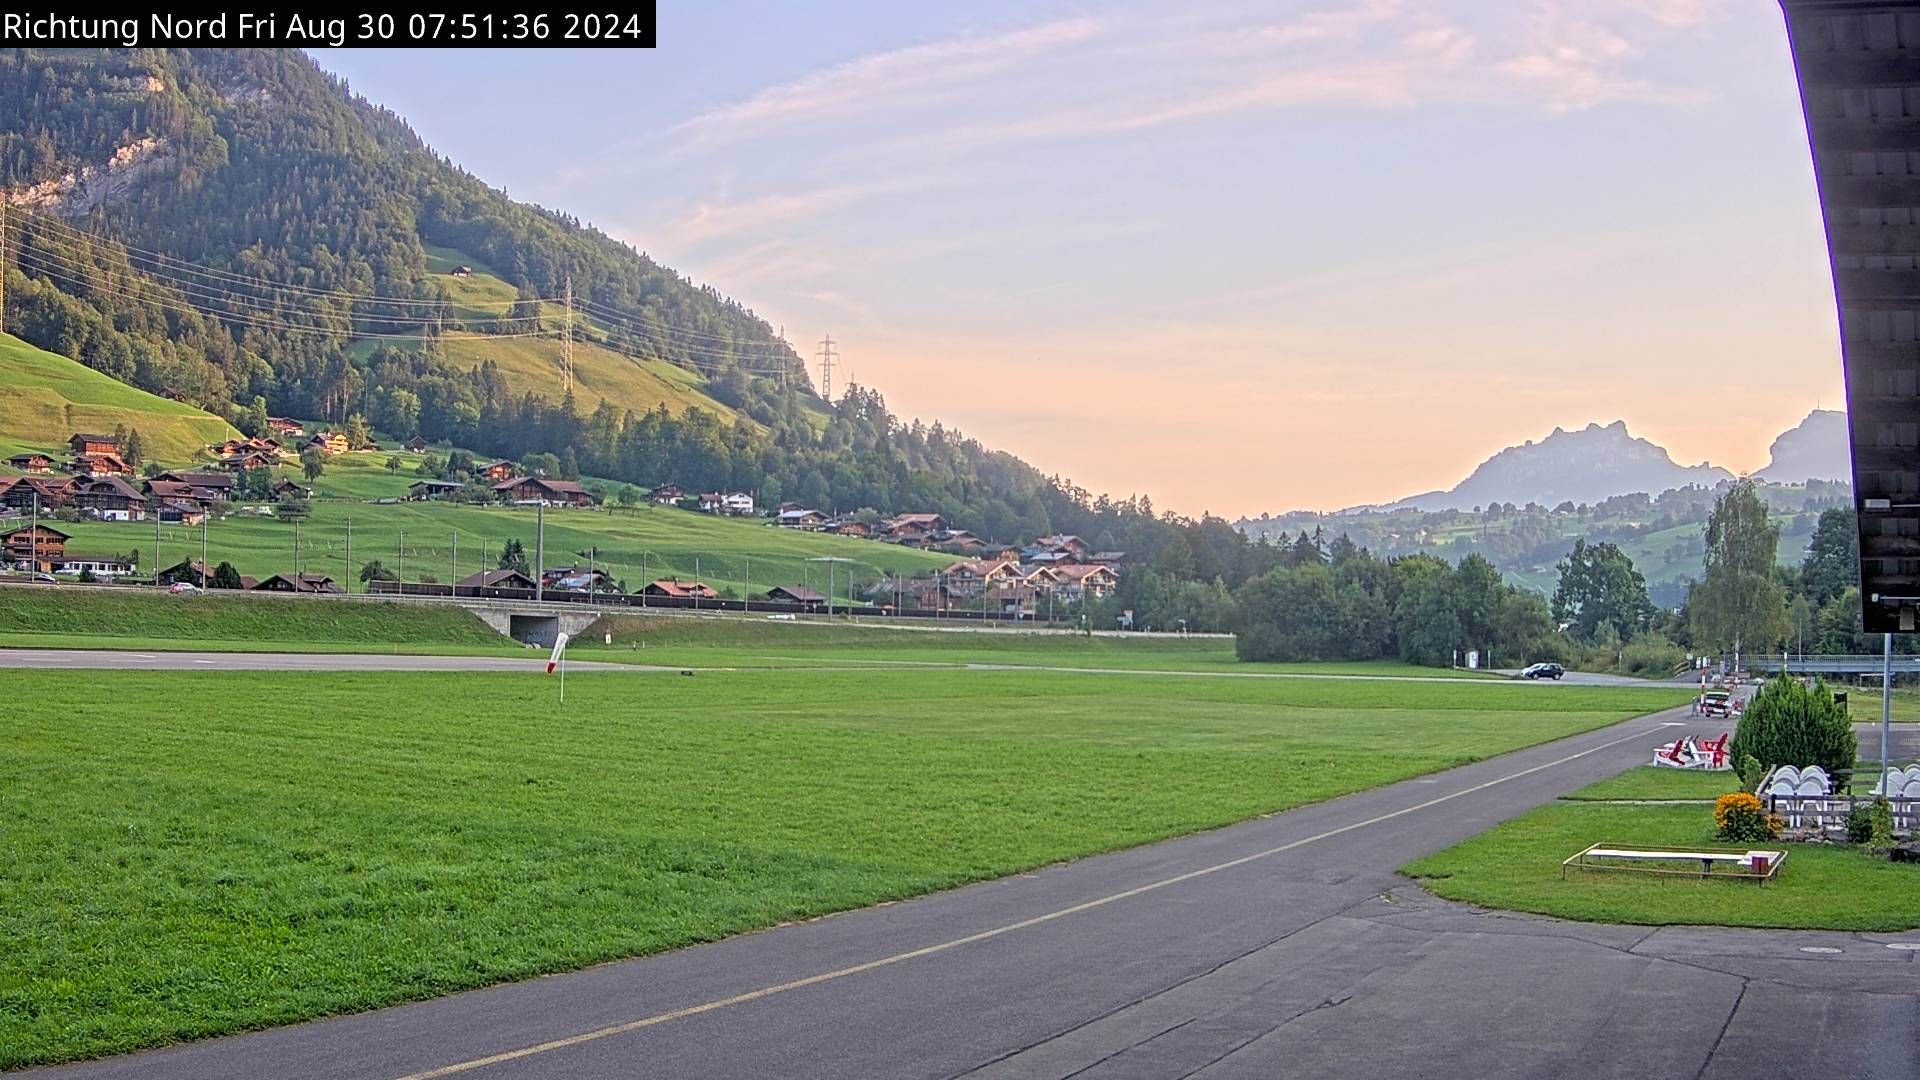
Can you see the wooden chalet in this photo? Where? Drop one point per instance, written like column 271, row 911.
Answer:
column 109, row 498
column 666, row 494
column 432, row 490
column 31, row 463
column 34, row 547
column 23, row 492
column 498, row 470
column 795, row 594
column 206, row 487
column 675, row 588
column 496, row 579
column 310, row 584
column 100, row 465
column 83, row 444
column 539, row 488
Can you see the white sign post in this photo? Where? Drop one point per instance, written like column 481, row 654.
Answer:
column 558, row 660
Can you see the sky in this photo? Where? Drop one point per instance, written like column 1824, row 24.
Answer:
column 1240, row 257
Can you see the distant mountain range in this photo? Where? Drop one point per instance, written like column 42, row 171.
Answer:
column 1595, row 463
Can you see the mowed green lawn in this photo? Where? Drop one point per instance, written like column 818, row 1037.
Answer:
column 197, row 853
column 1516, row 865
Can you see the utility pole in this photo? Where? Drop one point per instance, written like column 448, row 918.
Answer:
column 400, row 562
column 827, row 357
column 350, row 556
column 203, row 547
column 296, row 547
column 566, row 343
column 156, row 546
column 1886, row 711
column 453, row 566
column 33, row 538
column 540, row 551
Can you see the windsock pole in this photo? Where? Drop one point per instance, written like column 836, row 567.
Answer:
column 558, row 660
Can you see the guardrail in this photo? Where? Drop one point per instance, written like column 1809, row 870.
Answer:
column 1861, row 664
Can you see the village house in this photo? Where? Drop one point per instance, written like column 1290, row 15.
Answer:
column 31, row 463
column 1108, row 558
column 1080, row 580
column 729, row 503
column 247, row 461
column 432, row 490
column 191, row 572
column 285, row 427
column 673, row 588
column 109, row 498
column 849, row 527
column 804, row 520
column 1072, row 548
column 182, row 513
column 496, row 579
column 34, row 547
column 462, row 270
column 285, row 489
column 416, row 445
column 201, row 486
column 497, row 470
column 24, row 492
column 99, row 566
column 84, row 444
column 968, row 577
column 915, row 530
column 327, row 442
column 540, row 489
column 795, row 594
column 579, row 579
column 310, row 584
column 99, row 465
column 666, row 494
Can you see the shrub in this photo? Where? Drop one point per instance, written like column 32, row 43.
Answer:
column 1651, row 654
column 1871, row 824
column 1751, row 771
column 1790, row 724
column 1741, row 818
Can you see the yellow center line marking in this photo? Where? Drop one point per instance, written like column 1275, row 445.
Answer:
column 986, row 935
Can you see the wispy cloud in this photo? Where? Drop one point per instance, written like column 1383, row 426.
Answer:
column 896, row 78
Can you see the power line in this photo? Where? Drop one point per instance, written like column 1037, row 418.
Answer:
column 241, row 305
column 214, row 293
column 244, row 320
column 170, row 262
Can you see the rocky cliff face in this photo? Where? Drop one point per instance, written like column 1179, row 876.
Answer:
column 1816, row 449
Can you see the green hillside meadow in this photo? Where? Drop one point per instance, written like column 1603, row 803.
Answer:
column 635, row 545
column 44, row 398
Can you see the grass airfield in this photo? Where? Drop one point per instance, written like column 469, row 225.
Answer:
column 201, row 852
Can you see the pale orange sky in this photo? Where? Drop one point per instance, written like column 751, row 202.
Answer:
column 1239, row 257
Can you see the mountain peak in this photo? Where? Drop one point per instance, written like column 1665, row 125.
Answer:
column 1814, row 449
column 1587, row 465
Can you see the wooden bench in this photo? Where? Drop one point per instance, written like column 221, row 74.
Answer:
column 1759, row 865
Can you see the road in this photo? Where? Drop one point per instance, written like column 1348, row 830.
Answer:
column 1285, row 945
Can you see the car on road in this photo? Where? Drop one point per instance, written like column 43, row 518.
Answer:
column 183, row 588
column 1543, row 671
column 1715, row 703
